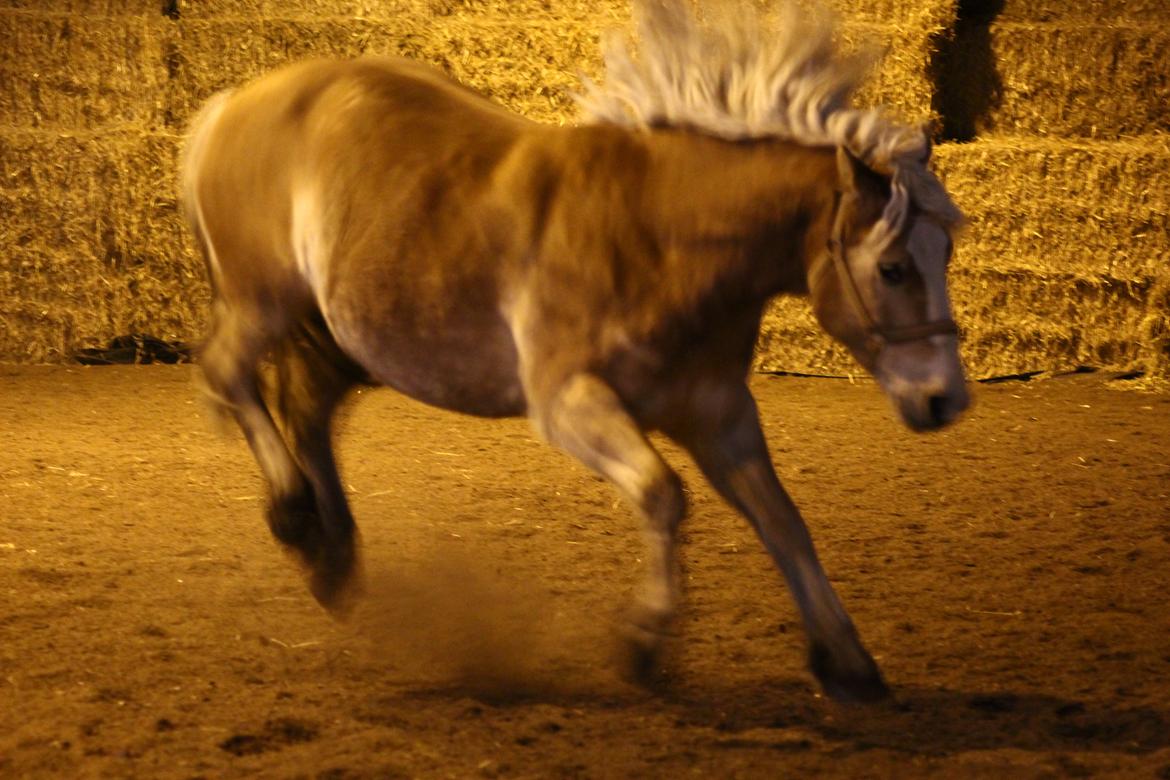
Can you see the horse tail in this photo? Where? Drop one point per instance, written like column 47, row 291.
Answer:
column 190, row 165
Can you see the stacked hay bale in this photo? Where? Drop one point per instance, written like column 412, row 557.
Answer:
column 95, row 95
column 1062, row 108
column 1066, row 260
column 1059, row 113
column 86, row 204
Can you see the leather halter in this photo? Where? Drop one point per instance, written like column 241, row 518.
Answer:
column 877, row 336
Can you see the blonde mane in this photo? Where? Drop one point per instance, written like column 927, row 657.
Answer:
column 736, row 77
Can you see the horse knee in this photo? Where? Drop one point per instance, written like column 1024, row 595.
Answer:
column 219, row 381
column 228, row 364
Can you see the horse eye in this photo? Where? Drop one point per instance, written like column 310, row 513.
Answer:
column 892, row 273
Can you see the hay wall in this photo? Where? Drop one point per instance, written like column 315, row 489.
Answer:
column 94, row 95
column 1096, row 11
column 1068, row 79
column 94, row 246
column 1063, row 110
column 1065, row 106
column 1066, row 188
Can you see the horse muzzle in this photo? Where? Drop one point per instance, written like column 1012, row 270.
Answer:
column 930, row 411
column 925, row 382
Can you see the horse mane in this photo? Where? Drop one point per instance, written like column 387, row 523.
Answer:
column 738, row 77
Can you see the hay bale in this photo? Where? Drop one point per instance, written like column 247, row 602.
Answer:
column 527, row 63
column 58, row 70
column 792, row 340
column 1098, row 11
column 1082, row 243
column 219, row 9
column 1155, row 329
column 887, row 11
column 1017, row 322
column 206, row 57
column 519, row 11
column 531, row 68
column 1122, row 175
column 515, row 11
column 901, row 80
column 1093, row 81
column 97, row 244
column 1064, row 263
column 127, row 251
column 1011, row 322
column 283, row 41
column 1097, row 210
column 90, row 8
column 1051, row 273
column 528, row 68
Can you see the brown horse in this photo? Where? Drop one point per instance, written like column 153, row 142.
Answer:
column 373, row 222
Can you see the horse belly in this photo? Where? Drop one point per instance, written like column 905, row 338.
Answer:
column 468, row 367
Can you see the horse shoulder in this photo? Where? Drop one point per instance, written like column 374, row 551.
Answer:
column 588, row 286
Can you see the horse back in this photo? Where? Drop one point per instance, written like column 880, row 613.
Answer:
column 348, row 130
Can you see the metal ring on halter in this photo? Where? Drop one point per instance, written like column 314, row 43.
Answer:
column 876, row 336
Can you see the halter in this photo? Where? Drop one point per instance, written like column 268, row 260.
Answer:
column 877, row 336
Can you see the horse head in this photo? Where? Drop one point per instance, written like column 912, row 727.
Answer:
column 880, row 286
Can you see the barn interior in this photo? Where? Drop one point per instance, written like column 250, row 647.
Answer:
column 1008, row 572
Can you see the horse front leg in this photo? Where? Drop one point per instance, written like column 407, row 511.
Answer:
column 731, row 450
column 585, row 418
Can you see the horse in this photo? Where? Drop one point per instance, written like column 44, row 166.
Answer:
column 373, row 222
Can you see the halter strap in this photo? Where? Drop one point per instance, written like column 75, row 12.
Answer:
column 877, row 336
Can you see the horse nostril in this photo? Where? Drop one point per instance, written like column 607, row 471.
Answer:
column 938, row 409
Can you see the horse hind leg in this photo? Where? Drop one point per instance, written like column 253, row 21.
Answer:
column 230, row 361
column 313, row 378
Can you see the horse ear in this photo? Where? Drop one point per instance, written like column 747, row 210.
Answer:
column 853, row 175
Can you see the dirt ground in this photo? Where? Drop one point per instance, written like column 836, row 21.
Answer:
column 1011, row 574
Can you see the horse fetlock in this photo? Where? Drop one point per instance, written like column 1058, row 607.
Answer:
column 651, row 615
column 294, row 520
column 641, row 652
column 642, row 636
column 325, row 546
column 847, row 672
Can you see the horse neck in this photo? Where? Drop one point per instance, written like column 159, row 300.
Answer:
column 744, row 217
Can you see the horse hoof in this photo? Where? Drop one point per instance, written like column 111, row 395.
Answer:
column 859, row 682
column 337, row 598
column 334, row 582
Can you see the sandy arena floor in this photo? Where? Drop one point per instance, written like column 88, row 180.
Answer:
column 1012, row 575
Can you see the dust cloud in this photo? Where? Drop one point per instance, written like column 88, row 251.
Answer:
column 451, row 618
